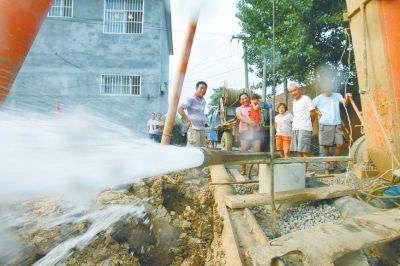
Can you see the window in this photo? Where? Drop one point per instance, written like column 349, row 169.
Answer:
column 61, row 8
column 123, row 16
column 120, row 85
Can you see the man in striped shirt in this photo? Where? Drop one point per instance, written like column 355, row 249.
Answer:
column 194, row 116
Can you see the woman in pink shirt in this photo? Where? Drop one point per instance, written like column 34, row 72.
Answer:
column 249, row 131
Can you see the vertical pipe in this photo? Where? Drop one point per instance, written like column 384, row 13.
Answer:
column 246, row 68
column 20, row 21
column 285, row 88
column 264, row 80
column 175, row 93
column 272, row 124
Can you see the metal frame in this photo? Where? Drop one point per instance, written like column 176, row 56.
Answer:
column 120, row 94
column 63, row 6
column 124, row 33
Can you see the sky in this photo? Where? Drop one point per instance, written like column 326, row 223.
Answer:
column 215, row 57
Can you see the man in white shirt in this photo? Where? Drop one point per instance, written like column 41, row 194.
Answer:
column 330, row 128
column 303, row 116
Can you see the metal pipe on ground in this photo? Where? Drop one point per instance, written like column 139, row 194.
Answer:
column 213, row 157
column 175, row 93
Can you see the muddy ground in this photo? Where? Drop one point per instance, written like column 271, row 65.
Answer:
column 179, row 227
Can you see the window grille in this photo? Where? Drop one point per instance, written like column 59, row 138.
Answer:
column 61, row 8
column 120, row 85
column 123, row 16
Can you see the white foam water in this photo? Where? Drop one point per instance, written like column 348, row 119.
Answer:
column 78, row 155
column 101, row 220
column 72, row 159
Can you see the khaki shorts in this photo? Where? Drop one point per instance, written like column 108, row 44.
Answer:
column 301, row 141
column 196, row 138
column 330, row 135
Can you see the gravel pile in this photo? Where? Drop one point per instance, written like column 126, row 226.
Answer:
column 246, row 188
column 305, row 216
column 349, row 179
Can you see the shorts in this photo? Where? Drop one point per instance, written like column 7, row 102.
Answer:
column 301, row 141
column 196, row 138
column 282, row 143
column 250, row 135
column 330, row 135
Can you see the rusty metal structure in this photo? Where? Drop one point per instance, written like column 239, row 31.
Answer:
column 376, row 40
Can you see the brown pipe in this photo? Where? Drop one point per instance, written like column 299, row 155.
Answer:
column 175, row 93
column 20, row 21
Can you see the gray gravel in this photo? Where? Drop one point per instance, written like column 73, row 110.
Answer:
column 246, row 188
column 304, row 216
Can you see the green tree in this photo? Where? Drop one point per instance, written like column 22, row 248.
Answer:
column 308, row 34
column 213, row 103
column 214, row 97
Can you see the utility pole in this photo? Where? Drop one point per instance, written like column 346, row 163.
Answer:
column 246, row 68
column 264, row 81
column 285, row 88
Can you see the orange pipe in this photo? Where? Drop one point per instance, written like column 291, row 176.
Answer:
column 20, row 21
column 175, row 93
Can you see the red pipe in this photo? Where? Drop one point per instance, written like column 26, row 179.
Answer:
column 20, row 21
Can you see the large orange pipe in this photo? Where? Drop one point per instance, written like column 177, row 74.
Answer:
column 20, row 21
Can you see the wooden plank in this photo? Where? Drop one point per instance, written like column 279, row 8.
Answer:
column 260, row 237
column 320, row 193
column 238, row 176
column 234, row 183
column 312, row 159
column 229, row 240
column 325, row 243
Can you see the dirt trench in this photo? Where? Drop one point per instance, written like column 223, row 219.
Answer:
column 180, row 227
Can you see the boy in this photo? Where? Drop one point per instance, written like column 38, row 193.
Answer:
column 283, row 127
column 255, row 111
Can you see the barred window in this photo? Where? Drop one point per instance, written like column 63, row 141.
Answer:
column 123, row 16
column 120, row 85
column 61, row 8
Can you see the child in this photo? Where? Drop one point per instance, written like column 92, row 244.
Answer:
column 255, row 111
column 283, row 127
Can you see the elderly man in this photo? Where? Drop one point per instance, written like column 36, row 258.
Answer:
column 330, row 129
column 303, row 116
column 195, row 119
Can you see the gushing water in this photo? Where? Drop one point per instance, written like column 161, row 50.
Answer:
column 78, row 155
column 72, row 159
column 101, row 220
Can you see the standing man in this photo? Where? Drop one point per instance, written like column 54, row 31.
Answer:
column 330, row 128
column 195, row 118
column 150, row 126
column 303, row 116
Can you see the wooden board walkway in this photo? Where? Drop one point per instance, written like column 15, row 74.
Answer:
column 260, row 199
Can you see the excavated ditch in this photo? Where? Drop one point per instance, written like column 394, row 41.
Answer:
column 179, row 226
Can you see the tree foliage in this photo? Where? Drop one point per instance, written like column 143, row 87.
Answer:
column 214, row 99
column 308, row 34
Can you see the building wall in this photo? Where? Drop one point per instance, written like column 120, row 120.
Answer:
column 70, row 54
